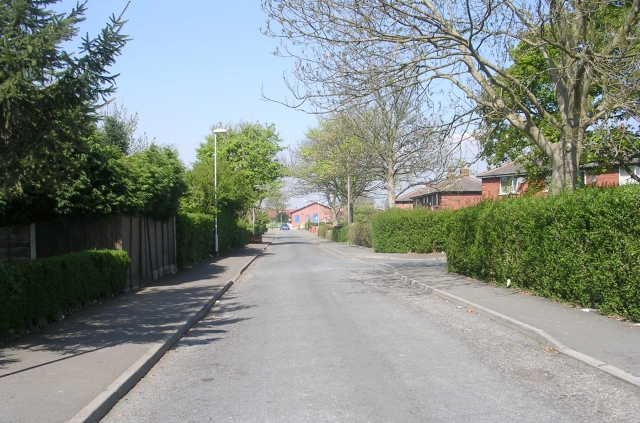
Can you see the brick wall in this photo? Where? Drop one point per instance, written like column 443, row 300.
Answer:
column 458, row 201
column 404, row 205
column 490, row 187
column 610, row 178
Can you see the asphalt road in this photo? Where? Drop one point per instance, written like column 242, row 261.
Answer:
column 308, row 335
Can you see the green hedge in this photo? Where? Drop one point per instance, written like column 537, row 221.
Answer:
column 582, row 248
column 339, row 234
column 322, row 231
column 405, row 231
column 195, row 235
column 360, row 234
column 44, row 289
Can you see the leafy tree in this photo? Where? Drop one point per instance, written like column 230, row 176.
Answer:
column 118, row 129
column 250, row 152
column 49, row 97
column 156, row 181
column 97, row 184
column 333, row 162
column 347, row 50
column 248, row 170
column 610, row 141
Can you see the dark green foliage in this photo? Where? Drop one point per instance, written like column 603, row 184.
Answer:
column 359, row 233
column 364, row 213
column 45, row 289
column 105, row 181
column 581, row 248
column 195, row 235
column 339, row 234
column 48, row 98
column 156, row 178
column 405, row 231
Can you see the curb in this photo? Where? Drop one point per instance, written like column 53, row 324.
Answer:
column 107, row 399
column 526, row 329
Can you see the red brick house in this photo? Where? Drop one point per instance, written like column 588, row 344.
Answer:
column 405, row 201
column 509, row 179
column 313, row 212
column 451, row 194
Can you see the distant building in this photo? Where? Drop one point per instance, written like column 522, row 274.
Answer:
column 313, row 212
column 451, row 194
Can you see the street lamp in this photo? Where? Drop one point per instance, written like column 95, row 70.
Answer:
column 215, row 177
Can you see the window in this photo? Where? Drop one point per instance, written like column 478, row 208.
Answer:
column 508, row 185
column 624, row 177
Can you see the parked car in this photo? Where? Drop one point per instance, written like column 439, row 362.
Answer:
column 284, row 227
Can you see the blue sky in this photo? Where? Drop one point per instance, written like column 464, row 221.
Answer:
column 193, row 63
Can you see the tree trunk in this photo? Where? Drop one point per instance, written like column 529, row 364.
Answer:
column 564, row 167
column 349, row 200
column 391, row 193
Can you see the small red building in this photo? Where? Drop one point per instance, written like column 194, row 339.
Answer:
column 313, row 212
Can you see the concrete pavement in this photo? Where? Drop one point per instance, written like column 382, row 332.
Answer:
column 603, row 342
column 78, row 368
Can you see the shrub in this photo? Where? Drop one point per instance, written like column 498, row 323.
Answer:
column 322, row 231
column 44, row 289
column 359, row 234
column 339, row 234
column 581, row 247
column 195, row 235
column 404, row 231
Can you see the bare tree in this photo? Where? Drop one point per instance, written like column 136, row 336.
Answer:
column 347, row 49
column 333, row 162
column 407, row 148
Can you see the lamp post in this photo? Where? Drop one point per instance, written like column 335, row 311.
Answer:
column 215, row 177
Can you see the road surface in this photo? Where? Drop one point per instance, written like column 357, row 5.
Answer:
column 308, row 335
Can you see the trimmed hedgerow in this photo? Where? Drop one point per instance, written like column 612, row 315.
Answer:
column 404, row 231
column 42, row 290
column 322, row 231
column 581, row 248
column 339, row 234
column 195, row 235
column 359, row 233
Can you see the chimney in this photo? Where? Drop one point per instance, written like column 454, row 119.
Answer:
column 464, row 172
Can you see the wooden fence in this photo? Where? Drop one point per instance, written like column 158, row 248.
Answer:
column 15, row 244
column 151, row 244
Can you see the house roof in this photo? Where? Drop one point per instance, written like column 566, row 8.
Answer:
column 511, row 168
column 408, row 197
column 460, row 184
column 314, row 204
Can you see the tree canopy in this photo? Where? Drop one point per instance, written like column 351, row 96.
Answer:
column 457, row 52
column 248, row 169
column 48, row 96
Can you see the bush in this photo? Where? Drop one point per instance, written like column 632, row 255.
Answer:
column 44, row 289
column 339, row 234
column 360, row 234
column 195, row 235
column 581, row 247
column 322, row 231
column 405, row 231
